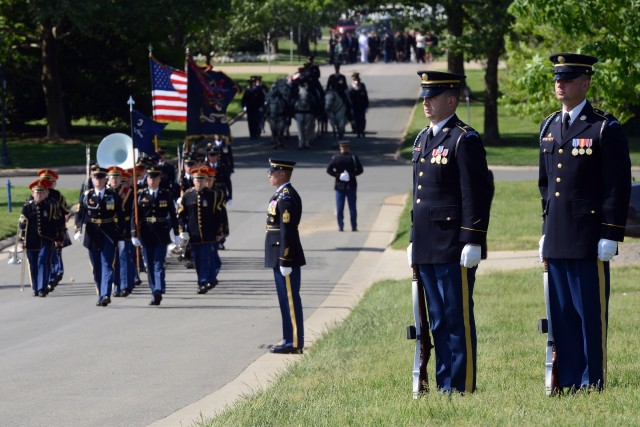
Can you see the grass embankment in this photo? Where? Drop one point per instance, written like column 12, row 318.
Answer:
column 360, row 373
column 9, row 220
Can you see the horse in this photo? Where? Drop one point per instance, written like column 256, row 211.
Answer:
column 304, row 115
column 336, row 111
column 277, row 111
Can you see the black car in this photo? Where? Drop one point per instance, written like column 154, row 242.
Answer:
column 633, row 219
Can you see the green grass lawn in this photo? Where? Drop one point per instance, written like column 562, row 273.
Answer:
column 360, row 373
column 515, row 222
column 9, row 220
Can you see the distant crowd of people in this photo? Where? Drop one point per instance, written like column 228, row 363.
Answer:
column 399, row 46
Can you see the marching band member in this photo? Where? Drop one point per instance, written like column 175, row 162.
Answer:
column 200, row 220
column 41, row 227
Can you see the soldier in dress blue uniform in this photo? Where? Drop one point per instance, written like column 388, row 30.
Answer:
column 585, row 184
column 41, row 227
column 452, row 192
column 216, row 261
column 57, row 266
column 344, row 167
column 157, row 216
column 199, row 215
column 100, row 212
column 284, row 254
column 124, row 269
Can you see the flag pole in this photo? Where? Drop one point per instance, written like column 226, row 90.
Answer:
column 186, row 70
column 135, row 181
column 153, row 107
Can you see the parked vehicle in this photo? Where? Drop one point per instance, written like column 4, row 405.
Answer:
column 346, row 25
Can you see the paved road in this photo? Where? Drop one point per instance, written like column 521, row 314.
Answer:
column 66, row 362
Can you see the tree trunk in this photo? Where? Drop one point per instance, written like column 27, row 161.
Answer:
column 303, row 47
column 491, row 129
column 455, row 60
column 56, row 117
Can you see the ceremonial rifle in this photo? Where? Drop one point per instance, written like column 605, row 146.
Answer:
column 544, row 326
column 420, row 333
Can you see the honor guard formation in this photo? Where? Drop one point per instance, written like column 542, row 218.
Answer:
column 131, row 219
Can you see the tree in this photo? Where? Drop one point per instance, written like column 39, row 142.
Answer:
column 484, row 39
column 90, row 56
column 606, row 29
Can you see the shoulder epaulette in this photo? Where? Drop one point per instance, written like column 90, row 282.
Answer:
column 190, row 190
column 467, row 130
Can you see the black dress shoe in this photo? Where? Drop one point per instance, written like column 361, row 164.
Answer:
column 157, row 297
column 137, row 282
column 202, row 289
column 126, row 293
column 51, row 286
column 285, row 349
column 58, row 278
column 104, row 301
column 117, row 294
column 212, row 285
column 99, row 302
column 42, row 294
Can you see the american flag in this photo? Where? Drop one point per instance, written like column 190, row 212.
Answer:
column 168, row 93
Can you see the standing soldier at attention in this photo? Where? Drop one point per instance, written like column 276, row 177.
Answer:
column 41, row 227
column 452, row 192
column 157, row 216
column 200, row 223
column 283, row 253
column 57, row 266
column 344, row 167
column 100, row 212
column 585, row 185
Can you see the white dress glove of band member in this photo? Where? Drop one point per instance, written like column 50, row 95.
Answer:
column 285, row 271
column 607, row 249
column 470, row 256
column 410, row 254
column 540, row 245
column 344, row 176
column 136, row 241
column 77, row 236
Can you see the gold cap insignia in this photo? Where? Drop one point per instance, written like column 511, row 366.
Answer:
column 561, row 59
column 425, row 77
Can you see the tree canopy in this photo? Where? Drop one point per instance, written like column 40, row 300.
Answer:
column 607, row 29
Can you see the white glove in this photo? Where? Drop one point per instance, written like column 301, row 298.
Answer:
column 77, row 236
column 176, row 240
column 229, row 202
column 344, row 176
column 184, row 235
column 178, row 201
column 244, row 109
column 410, row 254
column 540, row 245
column 120, row 245
column 607, row 249
column 136, row 241
column 470, row 256
column 285, row 271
